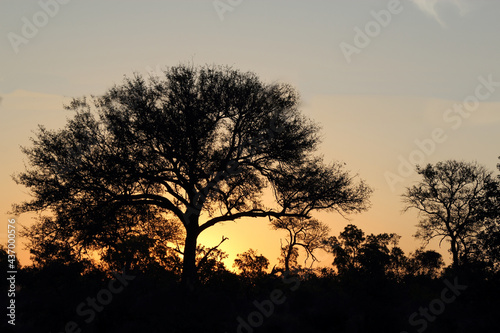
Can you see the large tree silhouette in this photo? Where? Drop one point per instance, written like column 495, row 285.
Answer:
column 454, row 200
column 198, row 144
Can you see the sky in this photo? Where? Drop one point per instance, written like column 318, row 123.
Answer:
column 392, row 84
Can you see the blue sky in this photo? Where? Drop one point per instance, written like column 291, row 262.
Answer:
column 373, row 105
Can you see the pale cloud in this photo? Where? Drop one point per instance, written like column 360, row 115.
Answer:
column 436, row 8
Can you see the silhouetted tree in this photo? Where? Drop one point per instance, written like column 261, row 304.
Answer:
column 375, row 253
column 308, row 233
column 250, row 264
column 453, row 200
column 210, row 262
column 130, row 252
column 485, row 249
column 46, row 249
column 132, row 241
column 346, row 248
column 427, row 262
column 198, row 144
column 398, row 263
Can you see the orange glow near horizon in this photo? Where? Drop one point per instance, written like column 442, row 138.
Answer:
column 384, row 215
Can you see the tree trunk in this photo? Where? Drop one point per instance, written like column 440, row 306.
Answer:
column 189, row 277
column 454, row 252
column 287, row 258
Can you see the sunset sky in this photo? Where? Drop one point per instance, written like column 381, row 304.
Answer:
column 391, row 83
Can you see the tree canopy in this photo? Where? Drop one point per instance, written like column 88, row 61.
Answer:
column 307, row 233
column 250, row 264
column 196, row 146
column 376, row 255
column 455, row 199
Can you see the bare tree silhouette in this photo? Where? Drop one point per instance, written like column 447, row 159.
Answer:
column 453, row 199
column 309, row 234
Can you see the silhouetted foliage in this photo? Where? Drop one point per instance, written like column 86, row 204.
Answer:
column 346, row 248
column 307, row 233
column 210, row 262
column 454, row 199
column 136, row 241
column 360, row 299
column 486, row 248
column 195, row 142
column 251, row 265
column 427, row 262
column 313, row 304
column 376, row 255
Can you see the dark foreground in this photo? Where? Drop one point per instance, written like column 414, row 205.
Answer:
column 61, row 300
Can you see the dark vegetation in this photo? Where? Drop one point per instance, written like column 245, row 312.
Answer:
column 371, row 286
column 138, row 173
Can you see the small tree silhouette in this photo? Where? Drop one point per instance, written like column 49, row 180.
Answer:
column 307, row 233
column 454, row 199
column 251, row 265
